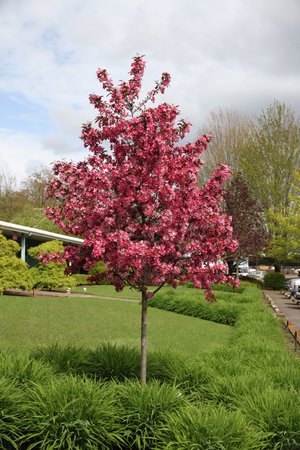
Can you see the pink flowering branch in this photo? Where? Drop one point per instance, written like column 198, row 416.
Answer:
column 136, row 200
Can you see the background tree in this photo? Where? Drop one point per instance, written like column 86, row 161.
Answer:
column 268, row 160
column 138, row 206
column 11, row 199
column 25, row 205
column 248, row 223
column 32, row 216
column 14, row 272
column 51, row 274
column 271, row 155
column 34, row 187
column 285, row 227
column 229, row 128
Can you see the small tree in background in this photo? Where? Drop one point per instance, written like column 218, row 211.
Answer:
column 49, row 274
column 136, row 201
column 248, row 224
column 285, row 228
column 14, row 272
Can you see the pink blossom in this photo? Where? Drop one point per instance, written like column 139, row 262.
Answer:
column 138, row 205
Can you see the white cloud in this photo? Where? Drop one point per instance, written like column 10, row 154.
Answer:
column 219, row 53
column 21, row 153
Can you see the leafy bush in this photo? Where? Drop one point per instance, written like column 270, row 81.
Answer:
column 81, row 279
column 252, row 280
column 97, row 274
column 274, row 280
column 109, row 361
column 14, row 272
column 50, row 275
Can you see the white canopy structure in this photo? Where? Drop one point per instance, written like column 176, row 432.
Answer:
column 23, row 234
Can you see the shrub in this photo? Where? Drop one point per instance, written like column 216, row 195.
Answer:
column 274, row 280
column 50, row 275
column 252, row 281
column 14, row 272
column 226, row 288
column 81, row 279
column 97, row 274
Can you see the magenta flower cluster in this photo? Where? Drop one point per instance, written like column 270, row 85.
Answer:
column 136, row 200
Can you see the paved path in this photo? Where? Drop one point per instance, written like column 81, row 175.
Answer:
column 288, row 309
column 23, row 293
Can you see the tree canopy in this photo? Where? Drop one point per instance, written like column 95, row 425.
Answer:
column 248, row 223
column 138, row 205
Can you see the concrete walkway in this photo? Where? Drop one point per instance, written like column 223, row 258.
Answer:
column 288, row 311
column 22, row 293
column 284, row 307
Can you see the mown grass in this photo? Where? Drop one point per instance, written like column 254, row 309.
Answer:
column 110, row 291
column 29, row 322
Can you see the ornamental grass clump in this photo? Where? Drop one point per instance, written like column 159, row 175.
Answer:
column 12, row 412
column 207, row 426
column 275, row 412
column 70, row 413
column 182, row 303
column 63, row 359
column 110, row 361
column 24, row 370
column 144, row 410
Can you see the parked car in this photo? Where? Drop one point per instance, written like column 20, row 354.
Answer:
column 296, row 295
column 294, row 288
column 259, row 275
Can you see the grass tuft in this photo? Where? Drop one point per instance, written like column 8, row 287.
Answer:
column 72, row 414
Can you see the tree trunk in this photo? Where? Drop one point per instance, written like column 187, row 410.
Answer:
column 237, row 263
column 144, row 339
column 277, row 267
column 230, row 267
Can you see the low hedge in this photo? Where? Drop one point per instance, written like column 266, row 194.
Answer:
column 274, row 280
column 177, row 301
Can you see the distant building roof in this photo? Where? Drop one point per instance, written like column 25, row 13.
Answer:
column 35, row 233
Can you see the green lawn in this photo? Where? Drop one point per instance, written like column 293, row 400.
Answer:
column 27, row 322
column 110, row 291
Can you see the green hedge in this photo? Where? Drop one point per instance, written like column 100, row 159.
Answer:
column 179, row 302
column 274, row 280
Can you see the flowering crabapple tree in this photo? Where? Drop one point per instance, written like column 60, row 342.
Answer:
column 135, row 198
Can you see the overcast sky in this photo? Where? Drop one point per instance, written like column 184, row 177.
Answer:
column 220, row 53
